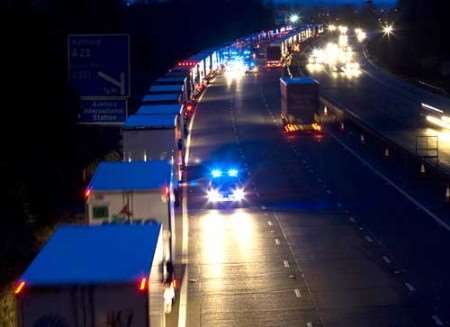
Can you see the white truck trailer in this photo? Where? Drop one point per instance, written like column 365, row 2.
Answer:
column 136, row 192
column 177, row 80
column 151, row 137
column 95, row 276
column 154, row 137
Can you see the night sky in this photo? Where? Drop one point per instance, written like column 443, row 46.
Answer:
column 334, row 2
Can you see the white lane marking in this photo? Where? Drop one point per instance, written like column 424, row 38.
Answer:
column 329, row 192
column 183, row 300
column 182, row 312
column 395, row 186
column 269, row 223
column 353, row 220
column 297, row 293
column 386, row 259
column 369, row 239
column 410, row 287
column 309, row 324
column 437, row 320
column 277, row 241
column 263, row 207
column 286, row 263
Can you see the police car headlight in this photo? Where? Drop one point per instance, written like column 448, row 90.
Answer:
column 238, row 194
column 213, row 195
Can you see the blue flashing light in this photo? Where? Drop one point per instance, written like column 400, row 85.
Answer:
column 216, row 173
column 233, row 172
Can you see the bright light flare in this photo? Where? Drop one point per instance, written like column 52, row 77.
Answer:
column 216, row 173
column 343, row 40
column 343, row 29
column 233, row 172
column 388, row 30
column 294, row 18
column 360, row 35
column 213, row 196
column 442, row 123
column 332, row 28
column 239, row 194
column 235, row 70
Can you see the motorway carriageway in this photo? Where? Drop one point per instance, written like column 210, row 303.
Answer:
column 386, row 103
column 324, row 239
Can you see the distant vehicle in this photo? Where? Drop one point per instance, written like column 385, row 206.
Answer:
column 274, row 54
column 250, row 65
column 300, row 104
column 225, row 186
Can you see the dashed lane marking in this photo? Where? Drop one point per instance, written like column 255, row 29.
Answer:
column 277, row 241
column 286, row 264
column 437, row 320
column 297, row 293
column 410, row 287
column 386, row 259
column 369, row 239
column 269, row 223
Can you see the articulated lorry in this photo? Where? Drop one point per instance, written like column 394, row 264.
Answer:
column 300, row 104
column 109, row 275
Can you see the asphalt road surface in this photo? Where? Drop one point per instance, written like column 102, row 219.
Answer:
column 386, row 103
column 326, row 237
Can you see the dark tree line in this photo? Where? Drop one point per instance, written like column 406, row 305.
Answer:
column 418, row 47
column 43, row 150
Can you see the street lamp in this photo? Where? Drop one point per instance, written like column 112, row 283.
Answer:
column 294, row 18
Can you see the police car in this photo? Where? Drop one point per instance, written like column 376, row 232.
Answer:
column 225, row 186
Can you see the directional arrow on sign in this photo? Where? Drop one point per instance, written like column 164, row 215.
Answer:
column 119, row 83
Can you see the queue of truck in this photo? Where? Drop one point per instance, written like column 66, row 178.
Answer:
column 118, row 268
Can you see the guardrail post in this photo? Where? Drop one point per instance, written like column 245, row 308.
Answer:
column 363, row 139
column 342, row 126
column 386, row 152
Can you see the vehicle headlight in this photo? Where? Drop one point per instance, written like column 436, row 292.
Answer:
column 239, row 194
column 213, row 195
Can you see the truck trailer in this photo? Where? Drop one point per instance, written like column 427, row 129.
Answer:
column 154, row 137
column 168, row 98
column 176, row 81
column 133, row 192
column 95, row 276
column 174, row 109
column 299, row 104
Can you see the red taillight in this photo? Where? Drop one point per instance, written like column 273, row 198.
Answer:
column 189, row 107
column 87, row 193
column 19, row 288
column 143, row 284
